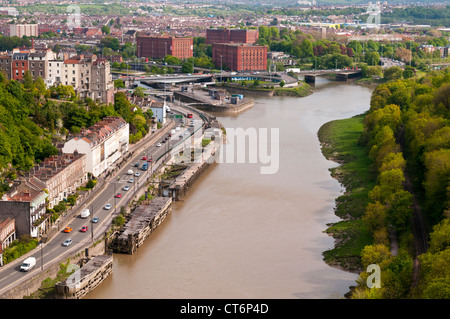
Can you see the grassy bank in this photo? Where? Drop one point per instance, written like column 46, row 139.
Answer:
column 340, row 143
column 301, row 90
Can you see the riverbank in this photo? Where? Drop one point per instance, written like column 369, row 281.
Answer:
column 339, row 141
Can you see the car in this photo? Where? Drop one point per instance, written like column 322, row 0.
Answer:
column 118, row 195
column 158, row 145
column 136, row 165
column 137, row 174
column 68, row 229
column 126, row 187
column 67, row 242
column 131, row 180
column 130, row 172
column 149, row 160
column 163, row 141
column 108, row 206
column 144, row 158
column 95, row 220
column 83, row 229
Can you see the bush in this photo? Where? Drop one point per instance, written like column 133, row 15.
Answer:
column 19, row 248
column 90, row 184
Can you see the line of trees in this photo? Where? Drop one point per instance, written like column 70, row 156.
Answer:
column 407, row 130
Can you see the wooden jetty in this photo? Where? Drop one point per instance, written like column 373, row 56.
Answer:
column 144, row 220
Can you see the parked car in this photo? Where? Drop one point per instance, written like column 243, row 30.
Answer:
column 67, row 242
column 126, row 187
column 68, row 229
column 95, row 220
column 158, row 145
column 84, row 229
column 136, row 165
column 108, row 206
column 137, row 174
column 131, row 180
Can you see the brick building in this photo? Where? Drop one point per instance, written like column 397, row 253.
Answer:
column 61, row 175
column 159, row 47
column 103, row 143
column 5, row 65
column 19, row 30
column 7, row 235
column 25, row 203
column 240, row 56
column 19, row 65
column 231, row 36
column 101, row 86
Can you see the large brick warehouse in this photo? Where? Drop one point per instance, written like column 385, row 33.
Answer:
column 159, row 47
column 240, row 56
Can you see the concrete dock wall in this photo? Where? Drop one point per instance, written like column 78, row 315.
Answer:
column 143, row 221
column 85, row 279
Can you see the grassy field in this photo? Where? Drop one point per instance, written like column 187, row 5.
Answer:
column 340, row 143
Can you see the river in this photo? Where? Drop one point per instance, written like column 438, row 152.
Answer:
column 242, row 234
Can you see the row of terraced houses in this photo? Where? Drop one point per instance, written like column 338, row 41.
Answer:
column 23, row 209
column 89, row 75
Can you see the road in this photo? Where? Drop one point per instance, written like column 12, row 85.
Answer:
column 53, row 251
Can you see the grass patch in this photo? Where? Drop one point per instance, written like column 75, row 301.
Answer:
column 340, row 143
column 48, row 289
column 301, row 90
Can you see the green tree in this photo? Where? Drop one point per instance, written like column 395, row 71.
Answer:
column 393, row 73
column 372, row 58
column 408, row 72
column 187, row 67
column 307, row 49
column 106, row 30
column 118, row 83
column 376, row 254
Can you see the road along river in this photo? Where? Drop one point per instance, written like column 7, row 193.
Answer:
column 243, row 234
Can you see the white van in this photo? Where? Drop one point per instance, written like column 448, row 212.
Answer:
column 28, row 264
column 130, row 172
column 85, row 213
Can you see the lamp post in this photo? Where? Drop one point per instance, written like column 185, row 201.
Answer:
column 221, row 56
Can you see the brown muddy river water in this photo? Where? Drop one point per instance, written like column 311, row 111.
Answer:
column 243, row 234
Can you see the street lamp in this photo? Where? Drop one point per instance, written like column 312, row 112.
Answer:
column 92, row 224
column 221, row 56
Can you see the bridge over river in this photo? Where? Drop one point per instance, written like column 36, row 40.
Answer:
column 341, row 75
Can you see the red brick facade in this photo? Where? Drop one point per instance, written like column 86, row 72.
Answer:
column 231, row 35
column 159, row 47
column 19, row 65
column 240, row 57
